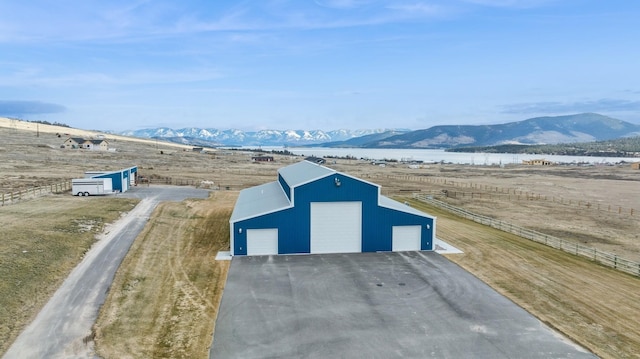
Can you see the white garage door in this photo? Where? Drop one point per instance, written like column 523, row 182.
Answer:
column 262, row 241
column 406, row 238
column 336, row 227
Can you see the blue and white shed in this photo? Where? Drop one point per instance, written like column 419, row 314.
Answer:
column 314, row 209
column 122, row 180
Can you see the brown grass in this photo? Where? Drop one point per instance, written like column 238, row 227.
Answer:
column 42, row 241
column 164, row 299
column 597, row 307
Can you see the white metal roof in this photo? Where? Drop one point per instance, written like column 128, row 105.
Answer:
column 395, row 205
column 270, row 197
column 303, row 172
column 258, row 200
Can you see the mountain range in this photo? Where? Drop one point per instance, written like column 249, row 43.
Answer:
column 233, row 137
column 583, row 127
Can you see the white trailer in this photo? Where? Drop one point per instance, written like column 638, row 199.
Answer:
column 91, row 186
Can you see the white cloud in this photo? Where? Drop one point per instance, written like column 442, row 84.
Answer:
column 418, row 9
column 519, row 4
column 341, row 4
column 550, row 107
column 32, row 77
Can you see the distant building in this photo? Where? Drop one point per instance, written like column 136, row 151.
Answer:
column 316, row 160
column 78, row 142
column 635, row 166
column 262, row 159
column 537, row 162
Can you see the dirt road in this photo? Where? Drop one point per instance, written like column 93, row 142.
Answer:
column 62, row 329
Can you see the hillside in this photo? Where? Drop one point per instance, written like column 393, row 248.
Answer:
column 363, row 140
column 541, row 130
column 622, row 147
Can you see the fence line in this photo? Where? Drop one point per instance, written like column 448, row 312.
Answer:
column 505, row 193
column 185, row 182
column 33, row 192
column 605, row 258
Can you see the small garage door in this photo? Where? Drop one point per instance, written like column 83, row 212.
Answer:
column 262, row 241
column 336, row 227
column 406, row 238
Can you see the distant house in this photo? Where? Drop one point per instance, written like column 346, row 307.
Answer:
column 78, row 142
column 635, row 166
column 262, row 159
column 316, row 160
column 537, row 162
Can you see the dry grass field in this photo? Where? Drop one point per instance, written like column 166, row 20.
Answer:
column 42, row 241
column 590, row 205
column 596, row 306
column 164, row 299
column 598, row 206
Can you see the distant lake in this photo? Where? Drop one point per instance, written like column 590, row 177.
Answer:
column 442, row 156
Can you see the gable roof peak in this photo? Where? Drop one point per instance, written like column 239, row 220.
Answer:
column 303, row 172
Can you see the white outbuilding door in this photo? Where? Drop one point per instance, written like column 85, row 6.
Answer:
column 336, row 227
column 262, row 241
column 406, row 238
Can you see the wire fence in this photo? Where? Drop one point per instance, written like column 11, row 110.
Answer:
column 481, row 191
column 33, row 192
column 605, row 258
column 186, row 182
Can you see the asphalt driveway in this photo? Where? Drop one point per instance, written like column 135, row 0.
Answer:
column 373, row 305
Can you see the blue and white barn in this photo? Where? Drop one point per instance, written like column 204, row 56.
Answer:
column 122, row 180
column 314, row 209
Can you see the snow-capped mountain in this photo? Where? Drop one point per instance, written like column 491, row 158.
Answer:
column 235, row 137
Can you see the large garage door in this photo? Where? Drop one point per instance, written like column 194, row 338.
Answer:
column 336, row 227
column 262, row 241
column 406, row 238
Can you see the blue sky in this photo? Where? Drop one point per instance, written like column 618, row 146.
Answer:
column 324, row 64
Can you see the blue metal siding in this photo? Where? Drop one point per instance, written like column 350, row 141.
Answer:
column 386, row 218
column 327, row 190
column 285, row 186
column 116, row 179
column 293, row 235
column 294, row 224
